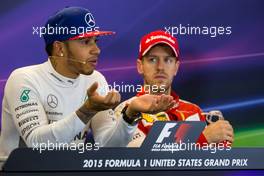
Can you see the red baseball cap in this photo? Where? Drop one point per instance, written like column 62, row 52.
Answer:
column 156, row 37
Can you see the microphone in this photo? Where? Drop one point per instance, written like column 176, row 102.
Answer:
column 71, row 59
column 213, row 116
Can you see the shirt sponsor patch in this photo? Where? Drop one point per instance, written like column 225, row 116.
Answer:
column 24, row 97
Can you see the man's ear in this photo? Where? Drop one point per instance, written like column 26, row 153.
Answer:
column 177, row 64
column 140, row 66
column 59, row 48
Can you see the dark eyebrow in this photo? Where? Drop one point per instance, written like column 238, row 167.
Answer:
column 151, row 55
column 87, row 38
column 171, row 57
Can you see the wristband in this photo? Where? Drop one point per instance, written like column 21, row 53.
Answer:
column 131, row 120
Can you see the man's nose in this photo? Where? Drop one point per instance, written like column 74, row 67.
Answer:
column 95, row 50
column 160, row 64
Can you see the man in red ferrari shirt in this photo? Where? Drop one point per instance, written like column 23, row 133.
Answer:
column 158, row 63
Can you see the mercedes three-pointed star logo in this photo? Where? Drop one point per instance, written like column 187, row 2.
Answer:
column 52, row 101
column 89, row 19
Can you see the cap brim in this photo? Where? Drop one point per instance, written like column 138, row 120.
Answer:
column 92, row 34
column 158, row 42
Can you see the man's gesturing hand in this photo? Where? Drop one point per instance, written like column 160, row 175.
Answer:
column 150, row 104
column 95, row 102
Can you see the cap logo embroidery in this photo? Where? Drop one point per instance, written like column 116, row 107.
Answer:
column 89, row 19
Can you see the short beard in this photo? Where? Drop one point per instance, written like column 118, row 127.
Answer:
column 74, row 66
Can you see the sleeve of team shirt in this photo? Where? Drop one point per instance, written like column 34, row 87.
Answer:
column 109, row 128
column 26, row 109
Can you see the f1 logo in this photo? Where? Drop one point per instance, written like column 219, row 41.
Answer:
column 165, row 132
column 174, row 132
